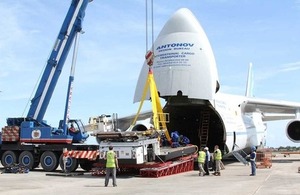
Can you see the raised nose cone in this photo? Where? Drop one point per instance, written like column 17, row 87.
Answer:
column 184, row 62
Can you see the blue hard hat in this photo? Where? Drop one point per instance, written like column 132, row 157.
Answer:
column 253, row 148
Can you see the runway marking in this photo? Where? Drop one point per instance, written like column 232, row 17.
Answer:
column 262, row 184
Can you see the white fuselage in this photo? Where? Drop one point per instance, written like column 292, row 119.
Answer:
column 242, row 129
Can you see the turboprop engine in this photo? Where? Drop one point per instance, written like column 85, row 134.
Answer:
column 293, row 131
column 142, row 126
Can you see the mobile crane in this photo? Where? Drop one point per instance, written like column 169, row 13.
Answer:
column 29, row 140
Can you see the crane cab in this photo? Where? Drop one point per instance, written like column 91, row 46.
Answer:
column 76, row 130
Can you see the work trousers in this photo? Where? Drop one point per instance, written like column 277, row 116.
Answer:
column 253, row 167
column 201, row 170
column 218, row 166
column 111, row 171
column 206, row 167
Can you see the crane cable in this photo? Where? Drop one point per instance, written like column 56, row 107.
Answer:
column 152, row 25
column 149, row 61
column 33, row 90
column 159, row 119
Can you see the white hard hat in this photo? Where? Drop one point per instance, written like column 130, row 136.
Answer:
column 206, row 148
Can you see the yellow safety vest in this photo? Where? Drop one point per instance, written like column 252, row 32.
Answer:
column 110, row 159
column 201, row 157
column 218, row 154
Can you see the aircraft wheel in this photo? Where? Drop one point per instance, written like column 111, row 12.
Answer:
column 26, row 159
column 8, row 158
column 49, row 161
column 71, row 164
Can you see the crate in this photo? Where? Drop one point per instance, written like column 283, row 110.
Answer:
column 264, row 158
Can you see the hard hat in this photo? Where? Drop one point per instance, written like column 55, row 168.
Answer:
column 206, row 148
column 253, row 148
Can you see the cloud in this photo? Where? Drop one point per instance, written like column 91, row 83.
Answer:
column 290, row 67
column 270, row 72
column 297, row 4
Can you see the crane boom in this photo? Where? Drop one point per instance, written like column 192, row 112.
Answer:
column 30, row 141
column 55, row 63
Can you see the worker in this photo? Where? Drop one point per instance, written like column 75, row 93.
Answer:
column 183, row 140
column 72, row 129
column 217, row 158
column 201, row 161
column 252, row 161
column 163, row 140
column 111, row 166
column 175, row 139
column 207, row 160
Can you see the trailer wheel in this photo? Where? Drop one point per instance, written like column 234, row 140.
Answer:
column 26, row 159
column 71, row 165
column 49, row 161
column 8, row 158
column 87, row 165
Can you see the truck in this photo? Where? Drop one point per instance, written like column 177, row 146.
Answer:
column 143, row 150
column 29, row 141
column 143, row 146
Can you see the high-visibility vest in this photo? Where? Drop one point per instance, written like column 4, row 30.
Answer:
column 201, row 157
column 218, row 154
column 110, row 159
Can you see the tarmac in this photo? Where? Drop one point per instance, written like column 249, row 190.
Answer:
column 281, row 178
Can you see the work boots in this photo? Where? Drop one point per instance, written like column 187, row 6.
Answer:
column 217, row 173
column 201, row 174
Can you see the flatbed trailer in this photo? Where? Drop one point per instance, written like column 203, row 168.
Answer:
column 145, row 155
column 169, row 153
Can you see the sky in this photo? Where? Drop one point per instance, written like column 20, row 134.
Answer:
column 112, row 49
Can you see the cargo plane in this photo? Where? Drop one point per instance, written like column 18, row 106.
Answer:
column 186, row 76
